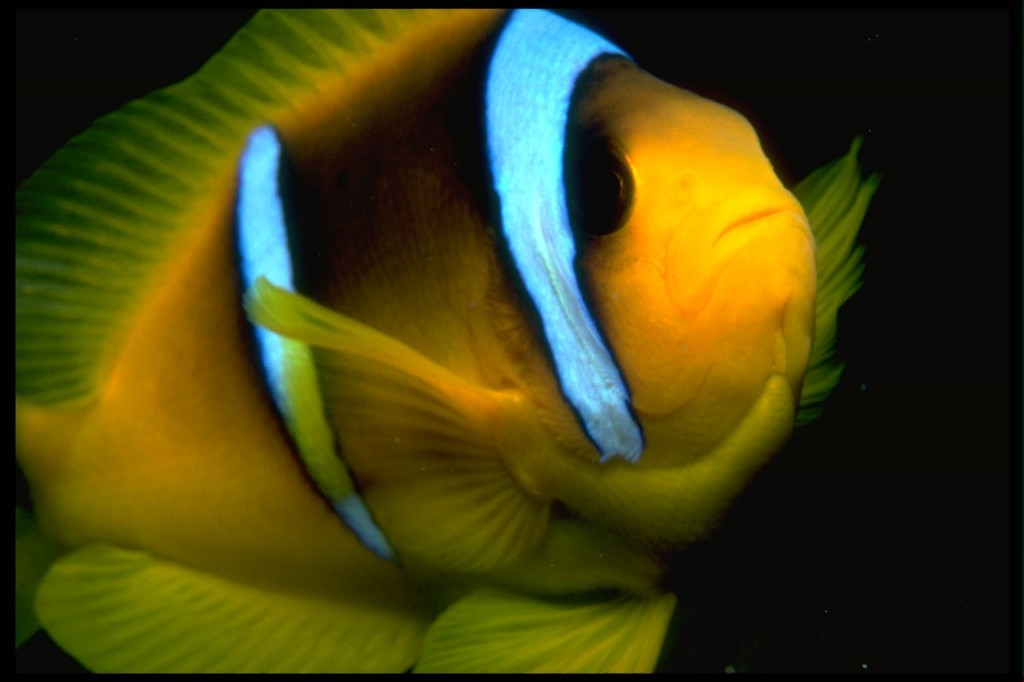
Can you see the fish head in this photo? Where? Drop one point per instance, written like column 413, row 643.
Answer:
column 699, row 263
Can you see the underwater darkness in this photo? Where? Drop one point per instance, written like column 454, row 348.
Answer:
column 886, row 537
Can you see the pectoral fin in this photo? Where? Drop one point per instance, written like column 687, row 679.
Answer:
column 425, row 444
column 120, row 610
column 492, row 631
column 303, row 412
column 836, row 199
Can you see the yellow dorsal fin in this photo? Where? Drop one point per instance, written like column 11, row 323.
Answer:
column 97, row 226
column 490, row 631
column 424, row 443
column 120, row 610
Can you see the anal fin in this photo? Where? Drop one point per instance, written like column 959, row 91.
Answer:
column 490, row 631
column 127, row 611
column 33, row 554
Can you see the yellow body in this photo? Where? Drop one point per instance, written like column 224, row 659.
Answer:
column 436, row 382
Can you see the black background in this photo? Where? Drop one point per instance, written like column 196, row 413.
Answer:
column 886, row 537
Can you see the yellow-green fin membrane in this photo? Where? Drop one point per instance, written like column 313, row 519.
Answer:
column 124, row 611
column 33, row 554
column 421, row 436
column 313, row 437
column 835, row 198
column 315, row 443
column 97, row 223
column 493, row 632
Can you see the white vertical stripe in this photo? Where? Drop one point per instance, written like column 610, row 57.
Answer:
column 263, row 251
column 263, row 242
column 530, row 84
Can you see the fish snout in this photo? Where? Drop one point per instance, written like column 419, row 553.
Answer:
column 746, row 296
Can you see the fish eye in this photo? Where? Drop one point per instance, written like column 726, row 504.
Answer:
column 599, row 187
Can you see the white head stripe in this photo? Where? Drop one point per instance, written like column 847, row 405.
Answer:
column 530, row 84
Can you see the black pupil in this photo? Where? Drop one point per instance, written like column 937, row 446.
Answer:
column 599, row 188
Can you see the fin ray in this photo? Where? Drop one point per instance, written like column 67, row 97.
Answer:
column 33, row 554
column 163, row 158
column 491, row 631
column 836, row 198
column 121, row 610
column 419, row 437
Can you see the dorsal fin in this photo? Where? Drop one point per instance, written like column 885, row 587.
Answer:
column 96, row 225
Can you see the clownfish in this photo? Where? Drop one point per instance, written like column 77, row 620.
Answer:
column 403, row 340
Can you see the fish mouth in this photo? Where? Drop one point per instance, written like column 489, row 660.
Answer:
column 693, row 279
column 749, row 300
column 749, row 220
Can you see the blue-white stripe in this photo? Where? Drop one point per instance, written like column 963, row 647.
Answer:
column 536, row 63
column 263, row 251
column 263, row 242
